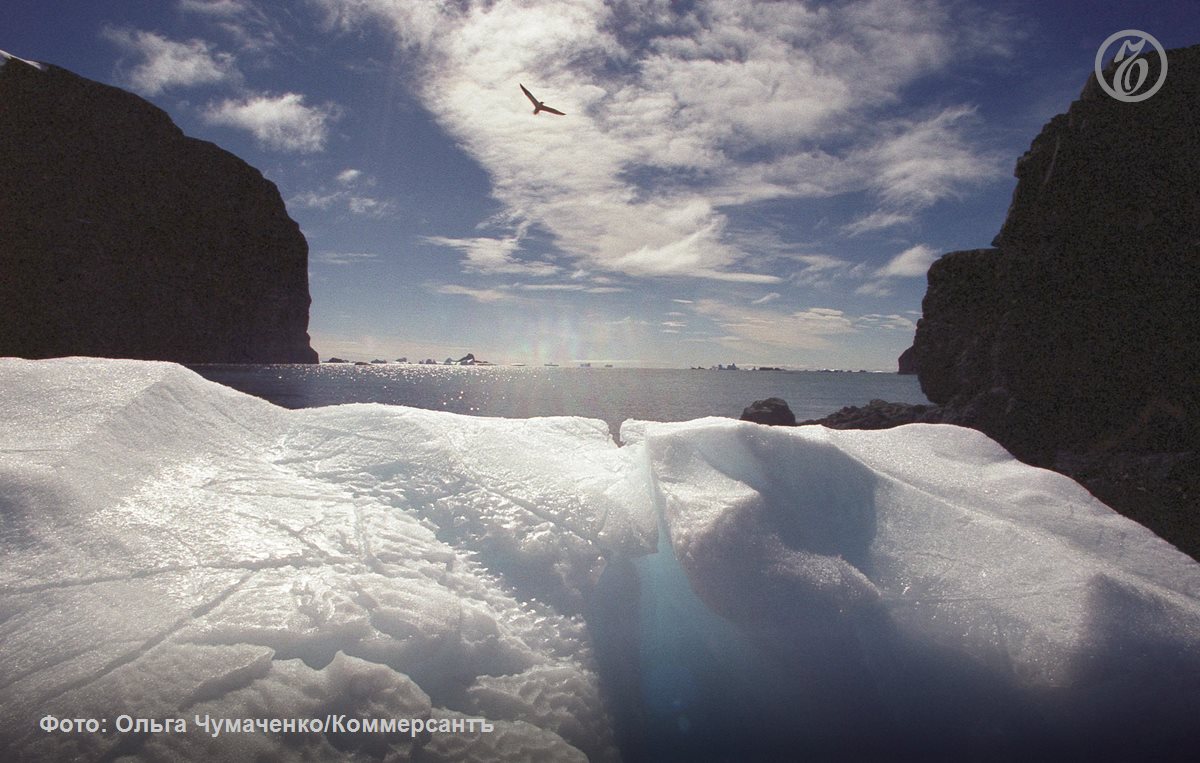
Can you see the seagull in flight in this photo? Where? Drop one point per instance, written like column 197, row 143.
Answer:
column 538, row 106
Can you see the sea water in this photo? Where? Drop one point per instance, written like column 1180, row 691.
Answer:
column 610, row 394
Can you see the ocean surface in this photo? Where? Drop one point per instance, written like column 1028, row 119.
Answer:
column 610, row 394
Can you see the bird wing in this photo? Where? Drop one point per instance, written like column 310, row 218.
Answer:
column 552, row 111
column 529, row 95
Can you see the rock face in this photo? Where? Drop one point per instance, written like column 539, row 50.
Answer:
column 1078, row 334
column 122, row 237
column 907, row 363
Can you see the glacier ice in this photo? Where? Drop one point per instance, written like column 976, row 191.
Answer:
column 173, row 548
column 923, row 591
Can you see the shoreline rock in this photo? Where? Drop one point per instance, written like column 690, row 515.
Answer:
column 773, row 411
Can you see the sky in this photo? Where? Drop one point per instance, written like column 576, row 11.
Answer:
column 743, row 181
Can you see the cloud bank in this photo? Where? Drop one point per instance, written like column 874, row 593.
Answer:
column 681, row 114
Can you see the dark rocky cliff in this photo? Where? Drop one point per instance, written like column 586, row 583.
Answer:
column 122, row 237
column 1075, row 341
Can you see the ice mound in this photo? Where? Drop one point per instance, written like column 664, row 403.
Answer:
column 924, row 590
column 175, row 549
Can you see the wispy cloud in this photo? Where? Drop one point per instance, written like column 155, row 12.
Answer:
column 681, row 113
column 493, row 255
column 893, row 322
column 348, row 196
column 242, row 21
column 876, row 221
column 919, row 162
column 168, row 63
column 281, row 122
column 479, row 295
column 344, row 258
column 764, row 299
column 913, row 262
column 797, row 330
column 369, row 206
column 219, row 8
column 818, row 270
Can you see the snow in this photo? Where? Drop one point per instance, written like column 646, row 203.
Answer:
column 175, row 549
column 6, row 57
column 925, row 574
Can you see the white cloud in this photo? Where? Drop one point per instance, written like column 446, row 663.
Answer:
column 874, row 289
column 677, row 114
column 920, row 162
column 913, row 262
column 479, row 295
column 367, row 206
column 167, row 63
column 799, row 330
column 357, row 204
column 549, row 287
column 875, row 221
column 893, row 322
column 283, row 122
column 818, row 270
column 315, row 200
column 494, row 255
column 764, row 299
column 344, row 258
column 242, row 21
column 910, row 263
column 223, row 8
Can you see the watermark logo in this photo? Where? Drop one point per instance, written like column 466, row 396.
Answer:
column 1129, row 77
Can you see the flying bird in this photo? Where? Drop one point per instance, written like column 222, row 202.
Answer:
column 538, row 106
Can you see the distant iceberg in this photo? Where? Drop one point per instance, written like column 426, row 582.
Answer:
column 177, row 550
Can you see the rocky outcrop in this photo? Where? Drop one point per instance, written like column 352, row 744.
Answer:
column 773, row 411
column 122, row 237
column 1075, row 340
column 907, row 363
column 879, row 414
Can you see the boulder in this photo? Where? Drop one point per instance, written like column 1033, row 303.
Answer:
column 122, row 237
column 773, row 411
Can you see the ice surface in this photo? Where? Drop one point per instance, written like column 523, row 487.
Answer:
column 172, row 548
column 924, row 574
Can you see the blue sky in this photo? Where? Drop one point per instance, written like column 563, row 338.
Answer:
column 756, row 182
